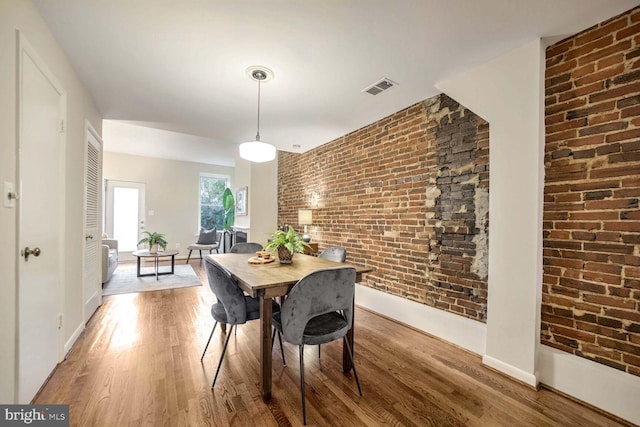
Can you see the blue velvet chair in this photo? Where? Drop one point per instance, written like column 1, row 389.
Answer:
column 233, row 307
column 318, row 310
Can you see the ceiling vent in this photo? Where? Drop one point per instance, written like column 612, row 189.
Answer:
column 380, row 86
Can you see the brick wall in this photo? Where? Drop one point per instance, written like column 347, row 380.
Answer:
column 408, row 196
column 591, row 285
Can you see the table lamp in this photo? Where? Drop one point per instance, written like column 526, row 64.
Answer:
column 305, row 217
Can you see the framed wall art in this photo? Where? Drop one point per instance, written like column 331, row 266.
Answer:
column 241, row 201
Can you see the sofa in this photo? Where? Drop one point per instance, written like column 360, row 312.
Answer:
column 109, row 258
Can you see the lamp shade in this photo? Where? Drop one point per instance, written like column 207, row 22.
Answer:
column 257, row 151
column 305, row 216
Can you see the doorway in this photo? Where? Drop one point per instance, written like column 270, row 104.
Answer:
column 125, row 215
column 41, row 213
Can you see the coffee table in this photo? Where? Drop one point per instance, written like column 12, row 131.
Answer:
column 156, row 256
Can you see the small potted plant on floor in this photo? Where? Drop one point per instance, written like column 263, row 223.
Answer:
column 286, row 243
column 154, row 240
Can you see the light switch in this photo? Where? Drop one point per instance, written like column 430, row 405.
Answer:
column 152, row 213
column 9, row 195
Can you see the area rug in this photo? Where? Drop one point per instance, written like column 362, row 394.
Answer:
column 124, row 280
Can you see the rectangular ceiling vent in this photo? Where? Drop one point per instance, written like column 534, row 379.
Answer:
column 380, row 86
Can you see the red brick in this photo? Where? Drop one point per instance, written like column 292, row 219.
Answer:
column 602, row 31
column 559, row 48
column 618, row 92
column 628, row 31
column 587, row 69
column 561, row 68
column 603, row 53
column 585, row 47
column 621, row 136
column 611, row 60
column 617, row 171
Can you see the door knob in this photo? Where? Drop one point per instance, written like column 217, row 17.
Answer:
column 26, row 252
column 88, row 237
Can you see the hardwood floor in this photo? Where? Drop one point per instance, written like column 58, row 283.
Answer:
column 138, row 363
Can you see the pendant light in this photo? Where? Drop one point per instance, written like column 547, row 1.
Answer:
column 258, row 151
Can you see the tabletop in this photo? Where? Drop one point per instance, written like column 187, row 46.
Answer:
column 146, row 253
column 274, row 278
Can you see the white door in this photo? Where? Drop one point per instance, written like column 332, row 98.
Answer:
column 92, row 223
column 124, row 214
column 41, row 114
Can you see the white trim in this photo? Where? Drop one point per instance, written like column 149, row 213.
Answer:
column 73, row 338
column 609, row 389
column 510, row 370
column 461, row 331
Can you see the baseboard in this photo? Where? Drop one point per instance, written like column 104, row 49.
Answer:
column 72, row 339
column 461, row 331
column 511, row 371
column 596, row 384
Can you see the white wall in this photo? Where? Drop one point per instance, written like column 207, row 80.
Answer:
column 508, row 93
column 22, row 15
column 261, row 179
column 172, row 192
column 263, row 196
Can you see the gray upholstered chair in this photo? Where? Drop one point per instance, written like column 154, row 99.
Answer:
column 334, row 253
column 318, row 309
column 245, row 248
column 233, row 307
column 208, row 240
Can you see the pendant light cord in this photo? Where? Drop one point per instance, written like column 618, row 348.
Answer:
column 258, row 131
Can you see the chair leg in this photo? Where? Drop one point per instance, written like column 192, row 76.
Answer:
column 224, row 350
column 304, row 406
column 353, row 365
column 200, row 255
column 284, row 362
column 188, row 256
column 207, row 346
column 273, row 337
column 319, row 346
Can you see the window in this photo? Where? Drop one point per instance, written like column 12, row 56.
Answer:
column 211, row 210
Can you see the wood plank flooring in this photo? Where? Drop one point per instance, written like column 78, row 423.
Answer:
column 138, row 363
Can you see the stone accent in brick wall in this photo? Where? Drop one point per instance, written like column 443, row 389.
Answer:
column 408, row 196
column 591, row 284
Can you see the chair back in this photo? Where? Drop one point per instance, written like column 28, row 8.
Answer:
column 334, row 253
column 228, row 293
column 245, row 248
column 320, row 292
column 207, row 237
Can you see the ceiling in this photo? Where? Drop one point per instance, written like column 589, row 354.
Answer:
column 154, row 66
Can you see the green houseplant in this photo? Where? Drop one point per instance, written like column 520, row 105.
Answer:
column 154, row 240
column 228, row 205
column 286, row 243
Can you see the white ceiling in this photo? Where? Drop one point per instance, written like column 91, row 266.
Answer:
column 180, row 66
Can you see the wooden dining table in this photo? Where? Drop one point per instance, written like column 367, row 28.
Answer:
column 272, row 280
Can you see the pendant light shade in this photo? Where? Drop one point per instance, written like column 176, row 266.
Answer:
column 258, row 151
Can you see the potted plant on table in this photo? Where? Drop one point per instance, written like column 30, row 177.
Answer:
column 154, row 240
column 287, row 243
